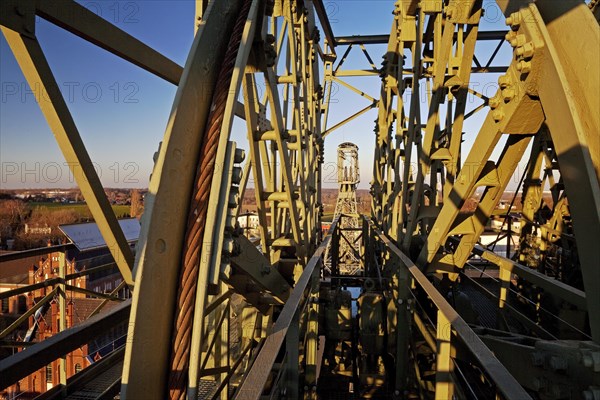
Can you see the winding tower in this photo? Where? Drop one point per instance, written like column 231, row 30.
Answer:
column 346, row 209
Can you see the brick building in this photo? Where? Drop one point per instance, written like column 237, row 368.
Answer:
column 46, row 321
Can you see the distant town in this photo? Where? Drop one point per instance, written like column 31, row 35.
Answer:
column 29, row 218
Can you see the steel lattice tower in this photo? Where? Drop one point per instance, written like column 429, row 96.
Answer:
column 346, row 205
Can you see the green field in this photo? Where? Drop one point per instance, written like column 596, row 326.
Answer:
column 121, row 211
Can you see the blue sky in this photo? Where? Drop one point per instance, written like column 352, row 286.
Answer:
column 121, row 111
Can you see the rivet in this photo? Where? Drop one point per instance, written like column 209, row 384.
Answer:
column 504, row 81
column 514, row 20
column 526, row 51
column 524, row 67
column 508, row 94
column 498, row 115
column 494, row 102
column 160, row 246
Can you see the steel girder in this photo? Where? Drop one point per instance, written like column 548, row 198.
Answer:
column 427, row 210
column 421, row 179
column 285, row 52
column 34, row 66
column 277, row 48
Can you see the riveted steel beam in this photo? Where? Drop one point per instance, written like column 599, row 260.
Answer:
column 384, row 39
column 254, row 264
column 79, row 20
column 161, row 238
column 33, row 63
column 322, row 13
column 43, row 353
column 574, row 126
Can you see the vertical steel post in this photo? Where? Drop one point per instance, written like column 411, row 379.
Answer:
column 312, row 338
column 444, row 387
column 62, row 324
column 223, row 349
column 402, row 327
column 292, row 371
column 504, row 275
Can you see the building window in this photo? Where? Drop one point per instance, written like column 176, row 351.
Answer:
column 49, row 373
column 77, row 368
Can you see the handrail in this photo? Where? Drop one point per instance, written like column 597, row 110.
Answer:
column 40, row 251
column 28, row 361
column 569, row 293
column 493, row 368
column 566, row 292
column 257, row 377
column 29, row 313
column 55, row 281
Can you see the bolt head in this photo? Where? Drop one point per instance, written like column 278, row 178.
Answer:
column 225, row 270
column 494, row 102
column 228, row 246
column 240, row 155
column 233, row 200
column 559, row 391
column 592, row 360
column 237, row 175
column 230, row 222
column 508, row 95
column 524, row 67
column 504, row 81
column 517, row 40
column 265, row 269
column 526, row 51
column 498, row 115
column 529, row 50
column 514, row 20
